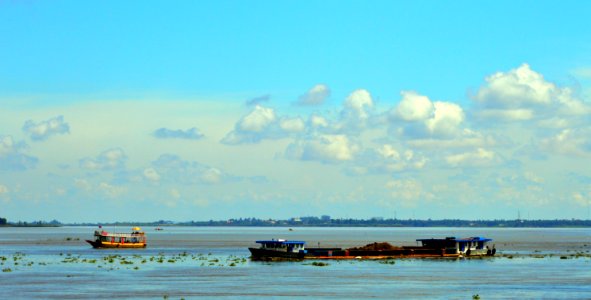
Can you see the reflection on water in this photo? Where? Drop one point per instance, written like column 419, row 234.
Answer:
column 187, row 262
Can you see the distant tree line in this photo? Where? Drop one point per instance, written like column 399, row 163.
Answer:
column 327, row 221
column 53, row 223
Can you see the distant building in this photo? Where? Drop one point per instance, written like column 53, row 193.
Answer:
column 325, row 218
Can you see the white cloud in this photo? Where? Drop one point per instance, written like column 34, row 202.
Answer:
column 110, row 159
column 413, row 107
column 263, row 123
column 151, row 174
column 478, row 158
column 359, row 101
column 315, row 96
column 3, row 189
column 318, row 121
column 388, row 159
column 293, row 125
column 520, row 114
column 516, row 88
column 569, row 142
column 12, row 157
column 189, row 134
column 582, row 198
column 523, row 94
column 467, row 139
column 211, row 176
column 355, row 113
column 324, row 148
column 173, row 169
column 419, row 117
column 257, row 120
column 446, row 121
column 44, row 129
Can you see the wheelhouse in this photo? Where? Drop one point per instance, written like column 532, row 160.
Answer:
column 467, row 246
column 282, row 245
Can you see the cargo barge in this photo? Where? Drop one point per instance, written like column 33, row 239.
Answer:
column 449, row 247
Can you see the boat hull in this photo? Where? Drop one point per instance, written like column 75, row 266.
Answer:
column 98, row 245
column 266, row 254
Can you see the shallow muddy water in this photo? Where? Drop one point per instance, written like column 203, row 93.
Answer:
column 191, row 262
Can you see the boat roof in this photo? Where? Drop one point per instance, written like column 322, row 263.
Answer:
column 469, row 239
column 281, row 242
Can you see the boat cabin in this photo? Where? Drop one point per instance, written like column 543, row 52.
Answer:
column 282, row 245
column 465, row 246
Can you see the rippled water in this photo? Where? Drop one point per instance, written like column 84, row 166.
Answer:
column 191, row 262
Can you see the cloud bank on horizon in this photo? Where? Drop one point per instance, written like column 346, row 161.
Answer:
column 521, row 142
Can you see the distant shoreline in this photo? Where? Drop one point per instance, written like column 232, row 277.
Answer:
column 319, row 222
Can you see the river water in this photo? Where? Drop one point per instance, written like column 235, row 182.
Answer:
column 208, row 262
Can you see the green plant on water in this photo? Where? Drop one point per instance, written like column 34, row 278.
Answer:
column 476, row 297
column 319, row 264
column 136, row 268
column 232, row 265
column 171, row 261
column 7, row 270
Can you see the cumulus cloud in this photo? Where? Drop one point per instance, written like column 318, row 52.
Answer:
column 324, row 148
column 44, row 129
column 582, row 198
column 172, row 168
column 262, row 123
column 388, row 159
column 12, row 157
column 479, row 158
column 523, row 94
column 3, row 189
column 316, row 121
column 446, row 121
column 569, row 142
column 189, row 134
column 111, row 159
column 413, row 107
column 315, row 96
column 151, row 175
column 418, row 117
column 356, row 112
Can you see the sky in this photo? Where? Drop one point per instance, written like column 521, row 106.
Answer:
column 199, row 110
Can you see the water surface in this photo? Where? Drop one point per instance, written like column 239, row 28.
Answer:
column 191, row 262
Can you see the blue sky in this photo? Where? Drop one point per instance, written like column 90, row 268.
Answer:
column 189, row 110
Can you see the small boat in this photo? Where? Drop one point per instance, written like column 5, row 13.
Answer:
column 103, row 239
column 278, row 249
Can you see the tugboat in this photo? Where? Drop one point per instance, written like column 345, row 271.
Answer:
column 103, row 239
column 278, row 250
